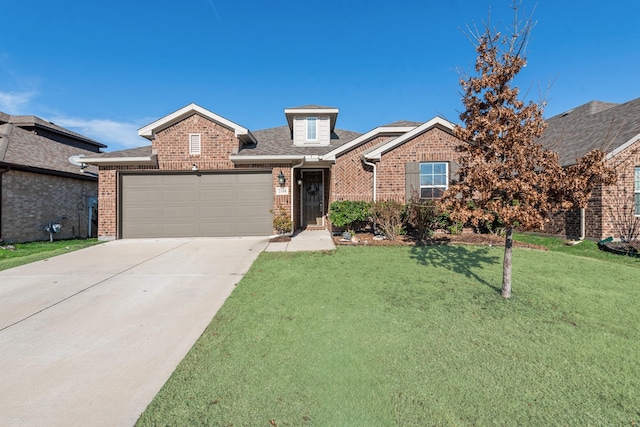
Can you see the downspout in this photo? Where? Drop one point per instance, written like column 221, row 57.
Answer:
column 582, row 224
column 292, row 185
column 373, row 165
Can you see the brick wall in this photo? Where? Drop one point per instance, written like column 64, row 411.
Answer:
column 352, row 179
column 615, row 195
column 31, row 200
column 217, row 142
column 599, row 214
column 431, row 146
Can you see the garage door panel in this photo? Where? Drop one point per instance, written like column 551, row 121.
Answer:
column 220, row 195
column 189, row 205
column 180, row 213
column 140, row 196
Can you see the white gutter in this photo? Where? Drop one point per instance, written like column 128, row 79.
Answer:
column 265, row 159
column 117, row 160
column 582, row 224
column 373, row 165
column 296, row 183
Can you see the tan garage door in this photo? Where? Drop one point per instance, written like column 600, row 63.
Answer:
column 191, row 205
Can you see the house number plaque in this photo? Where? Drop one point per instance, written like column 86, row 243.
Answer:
column 282, row 191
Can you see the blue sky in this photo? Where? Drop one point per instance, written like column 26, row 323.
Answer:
column 105, row 69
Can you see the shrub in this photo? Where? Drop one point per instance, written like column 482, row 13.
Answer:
column 347, row 213
column 282, row 221
column 424, row 217
column 388, row 217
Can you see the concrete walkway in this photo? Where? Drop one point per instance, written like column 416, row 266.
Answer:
column 89, row 338
column 306, row 240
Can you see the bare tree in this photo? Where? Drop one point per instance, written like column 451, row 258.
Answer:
column 504, row 174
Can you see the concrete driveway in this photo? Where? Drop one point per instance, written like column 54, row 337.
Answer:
column 88, row 338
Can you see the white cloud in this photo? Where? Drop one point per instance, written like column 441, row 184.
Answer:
column 117, row 135
column 14, row 102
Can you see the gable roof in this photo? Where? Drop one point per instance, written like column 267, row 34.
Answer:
column 376, row 152
column 362, row 139
column 151, row 129
column 606, row 126
column 26, row 150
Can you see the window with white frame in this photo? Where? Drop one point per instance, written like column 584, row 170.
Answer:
column 195, row 146
column 637, row 190
column 312, row 129
column 434, row 179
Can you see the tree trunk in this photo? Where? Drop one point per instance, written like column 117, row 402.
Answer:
column 506, row 265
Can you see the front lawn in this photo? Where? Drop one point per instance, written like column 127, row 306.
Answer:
column 25, row 253
column 381, row 336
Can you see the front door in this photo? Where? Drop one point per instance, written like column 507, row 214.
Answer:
column 312, row 198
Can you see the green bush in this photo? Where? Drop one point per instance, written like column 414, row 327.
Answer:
column 388, row 217
column 347, row 213
column 282, row 221
column 424, row 217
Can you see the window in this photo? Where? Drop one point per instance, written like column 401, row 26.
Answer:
column 194, row 144
column 433, row 179
column 637, row 190
column 312, row 133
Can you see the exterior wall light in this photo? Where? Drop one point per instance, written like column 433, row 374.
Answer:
column 281, row 179
column 299, row 181
column 194, row 168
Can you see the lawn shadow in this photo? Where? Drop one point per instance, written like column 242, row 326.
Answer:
column 459, row 259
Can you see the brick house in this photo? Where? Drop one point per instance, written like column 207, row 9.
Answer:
column 204, row 175
column 614, row 128
column 38, row 183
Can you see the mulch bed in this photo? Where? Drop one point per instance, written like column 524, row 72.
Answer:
column 280, row 239
column 366, row 239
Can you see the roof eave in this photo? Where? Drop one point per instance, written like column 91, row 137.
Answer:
column 113, row 161
column 149, row 131
column 623, row 147
column 374, row 133
column 377, row 153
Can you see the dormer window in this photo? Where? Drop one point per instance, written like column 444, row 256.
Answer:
column 312, row 129
column 195, row 146
column 311, row 125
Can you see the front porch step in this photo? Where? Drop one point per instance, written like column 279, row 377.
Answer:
column 315, row 227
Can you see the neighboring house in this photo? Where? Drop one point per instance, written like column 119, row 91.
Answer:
column 39, row 185
column 614, row 128
column 204, row 175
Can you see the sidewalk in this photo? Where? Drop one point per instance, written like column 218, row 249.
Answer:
column 306, row 240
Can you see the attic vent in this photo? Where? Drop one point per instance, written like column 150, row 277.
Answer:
column 195, row 147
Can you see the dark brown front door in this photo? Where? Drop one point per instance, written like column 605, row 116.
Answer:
column 312, row 197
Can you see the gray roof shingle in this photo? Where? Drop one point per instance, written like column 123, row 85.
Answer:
column 35, row 121
column 596, row 124
column 277, row 141
column 23, row 148
column 144, row 151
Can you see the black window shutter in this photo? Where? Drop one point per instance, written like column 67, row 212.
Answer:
column 411, row 179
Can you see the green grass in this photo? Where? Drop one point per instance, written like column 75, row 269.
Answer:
column 586, row 248
column 25, row 253
column 384, row 336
